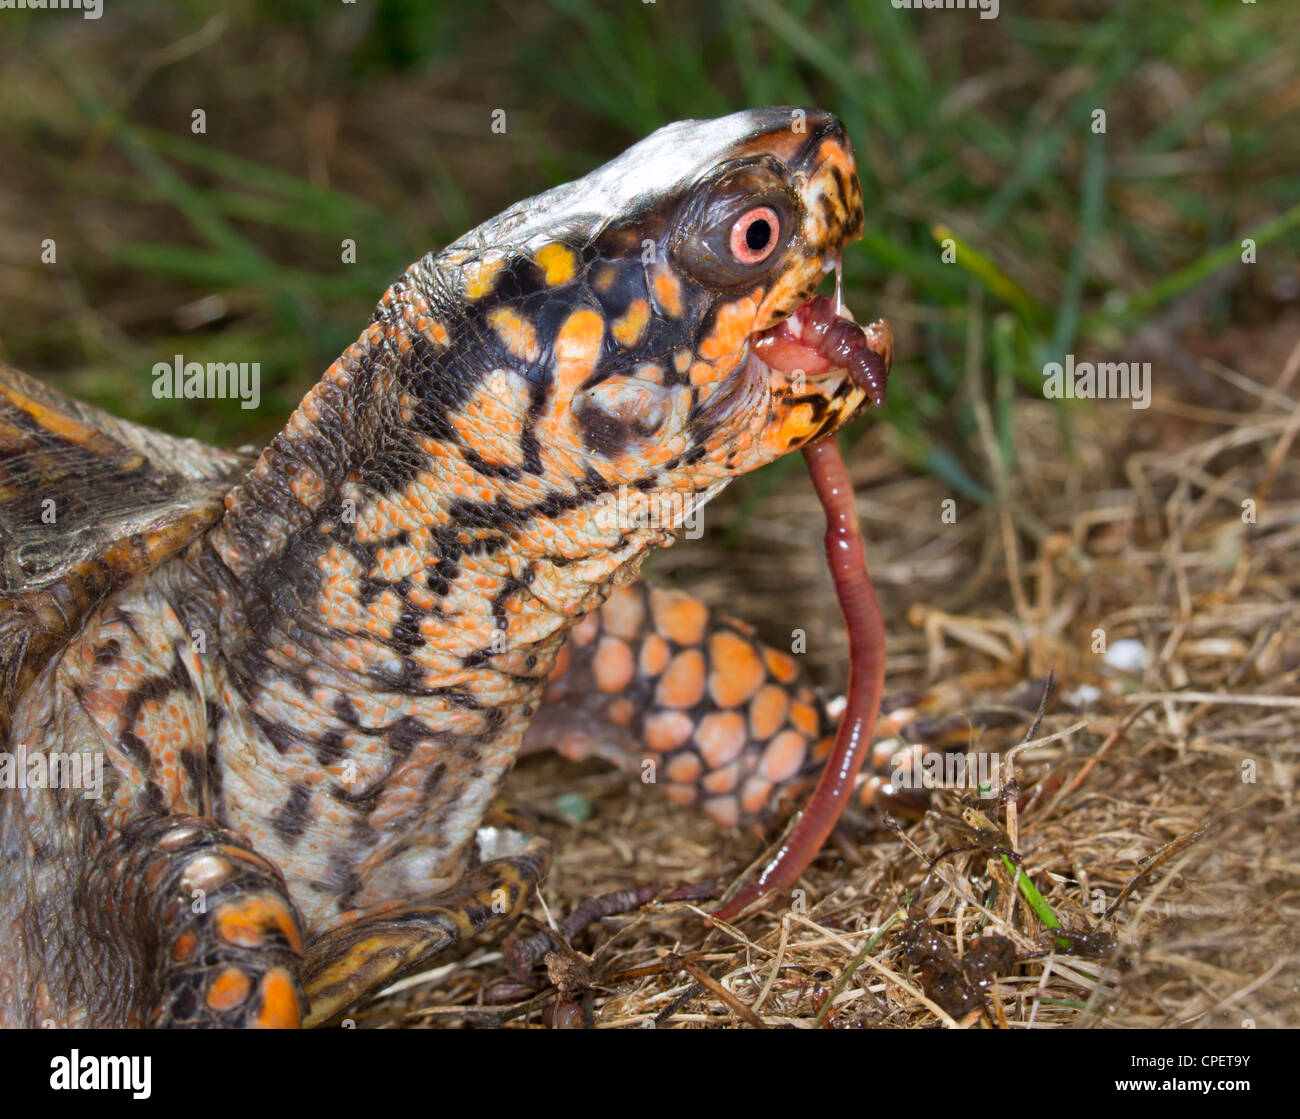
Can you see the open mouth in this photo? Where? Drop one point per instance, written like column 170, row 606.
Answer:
column 821, row 339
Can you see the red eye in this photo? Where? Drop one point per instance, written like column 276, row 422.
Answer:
column 754, row 235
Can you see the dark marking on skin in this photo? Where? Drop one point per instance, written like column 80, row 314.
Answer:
column 155, row 688
column 277, row 734
column 195, row 765
column 289, row 821
column 432, row 779
column 330, row 748
column 490, row 469
column 602, row 433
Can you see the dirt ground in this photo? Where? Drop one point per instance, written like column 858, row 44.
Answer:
column 1154, row 808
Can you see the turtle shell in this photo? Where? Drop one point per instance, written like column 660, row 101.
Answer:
column 87, row 501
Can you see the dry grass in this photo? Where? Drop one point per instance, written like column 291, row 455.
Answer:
column 1160, row 824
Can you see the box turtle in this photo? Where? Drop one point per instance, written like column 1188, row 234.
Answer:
column 256, row 710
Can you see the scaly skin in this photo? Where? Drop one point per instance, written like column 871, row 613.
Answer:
column 342, row 671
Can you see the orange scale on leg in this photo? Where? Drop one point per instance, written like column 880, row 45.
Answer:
column 805, row 718
column 613, row 665
column 684, row 767
column 620, row 712
column 584, row 633
column 228, row 989
column 279, row 1008
column 683, row 795
column 563, row 660
column 682, row 683
column 723, row 811
column 667, row 730
column 767, row 711
column 722, row 780
column 720, row 737
column 753, row 795
column 781, row 665
column 655, row 655
column 678, row 616
column 245, row 921
column 624, row 613
column 784, row 756
column 735, row 669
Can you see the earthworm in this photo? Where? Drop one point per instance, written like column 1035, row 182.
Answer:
column 848, row 564
column 818, row 337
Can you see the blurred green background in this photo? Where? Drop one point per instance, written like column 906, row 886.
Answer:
column 372, row 121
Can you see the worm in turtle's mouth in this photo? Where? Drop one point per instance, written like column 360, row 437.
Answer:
column 820, row 339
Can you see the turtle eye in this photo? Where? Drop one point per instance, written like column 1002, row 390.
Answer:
column 755, row 235
column 733, row 228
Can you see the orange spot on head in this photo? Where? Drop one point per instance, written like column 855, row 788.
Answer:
column 732, row 325
column 480, row 276
column 629, row 328
column 668, row 292
column 558, row 262
column 577, row 349
column 517, row 334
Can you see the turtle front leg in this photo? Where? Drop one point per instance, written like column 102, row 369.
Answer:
column 222, row 941
column 367, row 949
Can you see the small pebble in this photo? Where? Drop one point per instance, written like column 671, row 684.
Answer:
column 1127, row 655
column 1085, row 695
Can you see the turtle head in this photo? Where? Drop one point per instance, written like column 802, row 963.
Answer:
column 618, row 320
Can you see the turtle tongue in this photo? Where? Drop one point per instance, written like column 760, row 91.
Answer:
column 848, row 564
